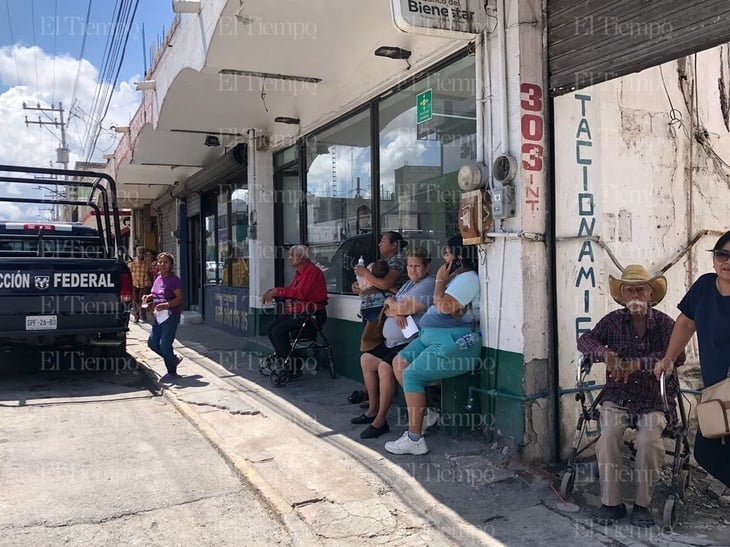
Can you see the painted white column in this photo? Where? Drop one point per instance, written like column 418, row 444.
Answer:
column 261, row 222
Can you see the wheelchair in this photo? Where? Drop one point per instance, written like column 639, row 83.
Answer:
column 307, row 340
column 676, row 430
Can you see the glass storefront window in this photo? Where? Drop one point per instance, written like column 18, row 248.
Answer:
column 235, row 263
column 211, row 253
column 416, row 180
column 339, row 207
column 226, row 236
column 419, row 161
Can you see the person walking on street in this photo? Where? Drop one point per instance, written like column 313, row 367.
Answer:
column 165, row 299
column 705, row 309
column 139, row 267
column 152, row 263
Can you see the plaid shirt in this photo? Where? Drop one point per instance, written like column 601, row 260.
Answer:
column 615, row 332
column 140, row 270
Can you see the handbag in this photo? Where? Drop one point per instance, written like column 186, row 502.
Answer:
column 713, row 412
column 372, row 333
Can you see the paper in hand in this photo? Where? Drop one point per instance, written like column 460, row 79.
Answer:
column 161, row 316
column 411, row 328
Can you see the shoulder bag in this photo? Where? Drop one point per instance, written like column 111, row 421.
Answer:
column 372, row 333
column 713, row 412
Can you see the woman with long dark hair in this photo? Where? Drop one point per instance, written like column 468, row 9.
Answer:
column 448, row 343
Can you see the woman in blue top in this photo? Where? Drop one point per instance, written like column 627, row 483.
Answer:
column 706, row 310
column 437, row 352
column 166, row 299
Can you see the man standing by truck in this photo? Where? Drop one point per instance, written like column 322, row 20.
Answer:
column 141, row 282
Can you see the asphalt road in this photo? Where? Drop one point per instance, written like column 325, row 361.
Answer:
column 98, row 458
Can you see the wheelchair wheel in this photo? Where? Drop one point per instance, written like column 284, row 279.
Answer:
column 685, row 476
column 266, row 364
column 671, row 508
column 566, row 485
column 279, row 377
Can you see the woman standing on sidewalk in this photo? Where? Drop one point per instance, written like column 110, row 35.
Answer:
column 166, row 298
column 705, row 310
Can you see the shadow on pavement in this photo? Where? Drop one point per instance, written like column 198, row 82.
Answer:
column 483, row 483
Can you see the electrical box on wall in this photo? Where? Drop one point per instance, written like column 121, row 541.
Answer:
column 503, row 202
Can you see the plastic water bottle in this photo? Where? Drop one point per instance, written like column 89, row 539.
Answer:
column 361, row 279
column 468, row 340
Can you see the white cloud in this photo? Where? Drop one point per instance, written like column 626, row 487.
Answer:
column 10, row 211
column 29, row 75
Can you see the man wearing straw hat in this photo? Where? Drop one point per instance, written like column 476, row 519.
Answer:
column 631, row 341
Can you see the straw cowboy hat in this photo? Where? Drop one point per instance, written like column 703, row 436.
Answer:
column 635, row 274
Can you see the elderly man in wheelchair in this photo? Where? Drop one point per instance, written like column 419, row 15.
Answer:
column 305, row 300
column 631, row 341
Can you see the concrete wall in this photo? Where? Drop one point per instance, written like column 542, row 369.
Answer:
column 629, row 171
column 515, row 307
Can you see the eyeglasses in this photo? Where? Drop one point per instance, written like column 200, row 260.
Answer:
column 720, row 254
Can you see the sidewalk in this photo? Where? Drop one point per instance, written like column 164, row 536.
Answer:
column 296, row 447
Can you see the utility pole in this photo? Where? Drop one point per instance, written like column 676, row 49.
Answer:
column 62, row 152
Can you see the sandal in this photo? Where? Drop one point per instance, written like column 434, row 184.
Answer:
column 357, row 396
column 609, row 514
column 371, row 432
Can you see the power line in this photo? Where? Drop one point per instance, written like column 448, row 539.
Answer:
column 81, row 54
column 62, row 152
column 55, row 35
column 35, row 48
column 119, row 60
column 12, row 41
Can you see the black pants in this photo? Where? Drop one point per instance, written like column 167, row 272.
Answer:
column 714, row 457
column 279, row 331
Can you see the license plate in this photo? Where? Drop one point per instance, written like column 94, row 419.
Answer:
column 41, row 322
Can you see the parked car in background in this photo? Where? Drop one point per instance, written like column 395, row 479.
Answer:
column 213, row 272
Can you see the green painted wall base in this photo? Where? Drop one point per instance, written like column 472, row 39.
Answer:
column 502, row 374
column 469, row 403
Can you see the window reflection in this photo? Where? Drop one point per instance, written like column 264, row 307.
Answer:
column 419, row 161
column 339, row 208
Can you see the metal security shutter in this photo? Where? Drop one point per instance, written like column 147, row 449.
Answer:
column 231, row 166
column 592, row 41
column 193, row 204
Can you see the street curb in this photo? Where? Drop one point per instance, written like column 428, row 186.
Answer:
column 297, row 529
column 440, row 517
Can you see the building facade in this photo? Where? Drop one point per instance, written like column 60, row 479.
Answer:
column 265, row 125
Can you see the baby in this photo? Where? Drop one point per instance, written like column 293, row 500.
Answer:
column 372, row 298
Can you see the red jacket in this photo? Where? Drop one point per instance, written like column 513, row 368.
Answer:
column 307, row 291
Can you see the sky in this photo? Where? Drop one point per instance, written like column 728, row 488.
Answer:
column 41, row 63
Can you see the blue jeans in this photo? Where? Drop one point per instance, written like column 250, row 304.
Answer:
column 434, row 355
column 160, row 341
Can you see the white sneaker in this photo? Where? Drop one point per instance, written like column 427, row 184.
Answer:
column 405, row 445
column 430, row 418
